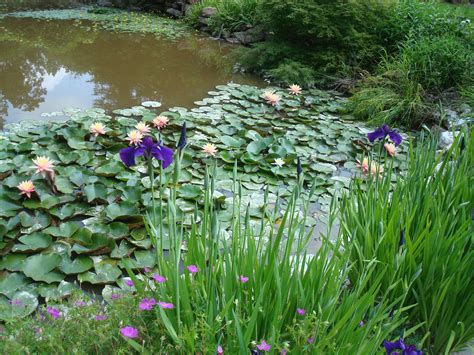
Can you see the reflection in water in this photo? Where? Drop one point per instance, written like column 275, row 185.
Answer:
column 51, row 65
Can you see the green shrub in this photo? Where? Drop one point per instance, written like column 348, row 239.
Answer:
column 290, row 72
column 419, row 231
column 232, row 15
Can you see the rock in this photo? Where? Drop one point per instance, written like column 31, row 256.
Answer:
column 204, row 20
column 446, row 138
column 174, row 12
column 208, row 11
column 252, row 35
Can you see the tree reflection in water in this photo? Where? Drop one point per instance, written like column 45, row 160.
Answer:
column 52, row 65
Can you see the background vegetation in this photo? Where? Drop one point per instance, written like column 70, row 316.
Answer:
column 401, row 58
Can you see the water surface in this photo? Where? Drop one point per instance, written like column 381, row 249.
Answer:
column 48, row 66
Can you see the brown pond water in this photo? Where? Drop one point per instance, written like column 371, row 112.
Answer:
column 47, row 66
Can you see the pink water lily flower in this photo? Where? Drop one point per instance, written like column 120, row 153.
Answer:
column 243, row 279
column 160, row 122
column 129, row 332
column 300, row 311
column 372, row 169
column 159, row 278
column 134, row 137
column 97, row 128
column 263, row 346
column 294, row 89
column 271, row 98
column 26, row 188
column 166, row 305
column 147, row 304
column 44, row 165
column 391, row 149
column 143, row 128
column 192, row 269
column 209, row 149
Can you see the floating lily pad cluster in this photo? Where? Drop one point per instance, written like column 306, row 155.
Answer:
column 87, row 226
column 113, row 20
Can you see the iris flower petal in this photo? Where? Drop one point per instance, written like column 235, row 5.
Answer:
column 395, row 137
column 379, row 133
column 128, row 156
column 164, row 154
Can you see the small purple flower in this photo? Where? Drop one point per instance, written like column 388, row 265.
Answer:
column 283, row 352
column 129, row 283
column 129, row 332
column 243, row 279
column 263, row 346
column 159, row 278
column 53, row 312
column 361, row 323
column 147, row 304
column 115, row 296
column 166, row 305
column 300, row 311
column 310, row 340
column 80, row 303
column 100, row 317
column 400, row 345
column 15, row 302
column 148, row 148
column 147, row 269
column 193, row 269
column 220, row 351
column 384, row 131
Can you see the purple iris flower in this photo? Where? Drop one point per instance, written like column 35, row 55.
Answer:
column 148, row 148
column 384, row 131
column 400, row 345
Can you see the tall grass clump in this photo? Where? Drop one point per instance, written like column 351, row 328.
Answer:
column 407, row 88
column 417, row 228
column 232, row 15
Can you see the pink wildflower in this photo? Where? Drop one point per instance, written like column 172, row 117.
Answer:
column 129, row 332
column 263, row 346
column 159, row 278
column 243, row 279
column 147, row 304
column 166, row 305
column 193, row 269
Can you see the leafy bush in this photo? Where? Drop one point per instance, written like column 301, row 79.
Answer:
column 325, row 36
column 420, row 231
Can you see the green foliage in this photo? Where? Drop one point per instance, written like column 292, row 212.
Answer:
column 408, row 87
column 290, row 72
column 214, row 307
column 232, row 15
column 432, row 205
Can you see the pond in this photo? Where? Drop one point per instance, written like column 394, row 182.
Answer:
column 49, row 65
